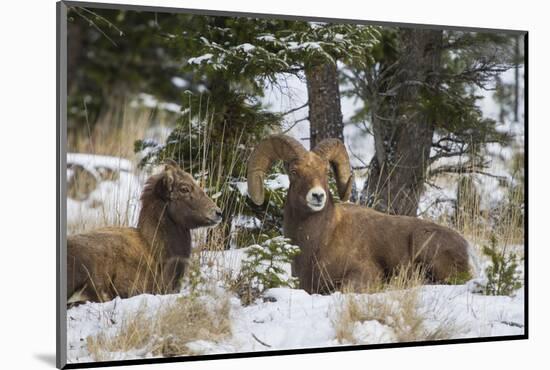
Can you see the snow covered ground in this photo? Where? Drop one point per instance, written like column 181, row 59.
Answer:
column 291, row 318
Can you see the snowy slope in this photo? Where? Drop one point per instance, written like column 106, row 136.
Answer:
column 291, row 318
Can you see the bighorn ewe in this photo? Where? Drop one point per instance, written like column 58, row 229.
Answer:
column 345, row 244
column 151, row 258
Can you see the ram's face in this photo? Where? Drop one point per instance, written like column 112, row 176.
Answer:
column 309, row 182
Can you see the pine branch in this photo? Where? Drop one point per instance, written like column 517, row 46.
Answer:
column 462, row 169
column 438, row 156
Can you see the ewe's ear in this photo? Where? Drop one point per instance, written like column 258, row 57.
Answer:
column 170, row 163
column 165, row 185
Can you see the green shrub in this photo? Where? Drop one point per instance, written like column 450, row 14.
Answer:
column 262, row 268
column 503, row 277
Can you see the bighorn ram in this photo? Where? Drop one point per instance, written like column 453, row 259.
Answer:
column 151, row 258
column 345, row 244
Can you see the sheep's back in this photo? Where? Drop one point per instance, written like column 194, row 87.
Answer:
column 392, row 240
column 108, row 257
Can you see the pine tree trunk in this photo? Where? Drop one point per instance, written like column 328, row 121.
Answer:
column 325, row 114
column 402, row 131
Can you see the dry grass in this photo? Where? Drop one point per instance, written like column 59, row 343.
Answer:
column 103, row 218
column 504, row 220
column 116, row 131
column 166, row 333
column 399, row 311
column 406, row 277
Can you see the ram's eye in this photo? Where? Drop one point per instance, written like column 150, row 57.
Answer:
column 185, row 189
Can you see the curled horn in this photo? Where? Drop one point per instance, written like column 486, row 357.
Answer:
column 334, row 151
column 274, row 147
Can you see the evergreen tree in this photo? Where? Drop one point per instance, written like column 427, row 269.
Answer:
column 420, row 98
column 238, row 57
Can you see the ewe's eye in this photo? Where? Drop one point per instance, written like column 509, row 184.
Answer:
column 292, row 171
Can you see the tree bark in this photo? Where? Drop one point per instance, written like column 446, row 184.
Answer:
column 402, row 130
column 325, row 113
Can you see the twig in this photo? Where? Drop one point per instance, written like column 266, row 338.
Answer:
column 295, row 109
column 259, row 341
column 91, row 23
column 109, row 23
column 294, row 124
column 366, row 165
column 435, row 203
column 511, row 323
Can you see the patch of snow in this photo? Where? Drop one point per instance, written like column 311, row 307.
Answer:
column 277, row 181
column 241, row 187
column 242, row 222
column 246, row 47
column 246, row 222
column 268, row 38
column 310, row 45
column 92, row 161
column 150, row 101
column 180, row 82
column 198, row 60
column 372, row 331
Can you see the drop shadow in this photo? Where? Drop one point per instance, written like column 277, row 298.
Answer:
column 47, row 358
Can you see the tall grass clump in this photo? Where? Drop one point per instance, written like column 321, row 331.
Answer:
column 398, row 309
column 169, row 331
column 116, row 131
